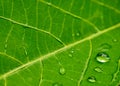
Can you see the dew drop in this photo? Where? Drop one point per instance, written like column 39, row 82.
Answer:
column 114, row 40
column 97, row 69
column 104, row 47
column 57, row 84
column 49, row 3
column 73, row 35
column 77, row 34
column 70, row 55
column 102, row 57
column 92, row 79
column 62, row 70
column 72, row 51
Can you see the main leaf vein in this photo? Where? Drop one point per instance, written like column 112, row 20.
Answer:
column 47, row 56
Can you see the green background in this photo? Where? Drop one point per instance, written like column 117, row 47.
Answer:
column 55, row 42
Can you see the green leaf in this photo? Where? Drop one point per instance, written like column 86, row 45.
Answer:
column 59, row 43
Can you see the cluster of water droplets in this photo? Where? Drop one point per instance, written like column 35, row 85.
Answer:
column 71, row 53
column 76, row 34
column 101, row 57
column 62, row 70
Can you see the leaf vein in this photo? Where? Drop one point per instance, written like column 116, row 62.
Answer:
column 86, row 64
column 116, row 73
column 58, row 51
column 34, row 28
column 71, row 14
column 105, row 5
column 11, row 57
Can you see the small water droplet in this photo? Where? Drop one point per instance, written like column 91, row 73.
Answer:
column 62, row 70
column 49, row 3
column 57, row 84
column 73, row 35
column 72, row 51
column 70, row 55
column 104, row 47
column 77, row 34
column 102, row 57
column 92, row 79
column 97, row 69
column 114, row 40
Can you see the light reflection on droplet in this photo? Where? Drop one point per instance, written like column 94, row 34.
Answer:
column 98, row 69
column 62, row 70
column 102, row 57
column 92, row 79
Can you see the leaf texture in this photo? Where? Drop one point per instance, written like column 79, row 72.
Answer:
column 57, row 42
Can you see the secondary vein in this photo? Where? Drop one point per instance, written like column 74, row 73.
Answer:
column 47, row 56
column 34, row 28
column 86, row 64
column 71, row 14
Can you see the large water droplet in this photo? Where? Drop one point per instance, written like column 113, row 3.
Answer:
column 62, row 70
column 92, row 79
column 104, row 47
column 98, row 69
column 102, row 57
column 57, row 84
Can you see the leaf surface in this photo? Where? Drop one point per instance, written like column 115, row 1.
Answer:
column 59, row 43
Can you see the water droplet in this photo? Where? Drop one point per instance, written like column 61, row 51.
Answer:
column 49, row 3
column 72, row 51
column 114, row 40
column 77, row 34
column 97, row 69
column 70, row 55
column 104, row 47
column 73, row 35
column 57, row 84
column 92, row 79
column 62, row 70
column 102, row 57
